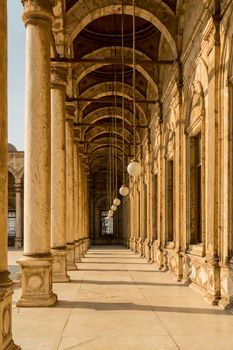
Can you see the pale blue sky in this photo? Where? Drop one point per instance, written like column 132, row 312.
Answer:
column 16, row 73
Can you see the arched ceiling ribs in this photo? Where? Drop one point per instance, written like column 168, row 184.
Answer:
column 105, row 89
column 81, row 70
column 95, row 157
column 95, row 134
column 157, row 12
column 105, row 144
column 109, row 112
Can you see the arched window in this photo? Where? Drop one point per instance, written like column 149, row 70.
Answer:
column 195, row 166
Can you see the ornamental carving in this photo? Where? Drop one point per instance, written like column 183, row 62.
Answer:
column 6, row 319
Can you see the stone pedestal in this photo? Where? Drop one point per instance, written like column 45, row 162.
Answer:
column 6, row 291
column 147, row 249
column 77, row 251
column 141, row 248
column 60, row 266
column 36, row 282
column 213, row 282
column 71, row 266
column 226, row 283
column 81, row 249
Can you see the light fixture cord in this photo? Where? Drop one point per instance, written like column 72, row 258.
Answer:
column 134, row 79
column 115, row 134
column 123, row 89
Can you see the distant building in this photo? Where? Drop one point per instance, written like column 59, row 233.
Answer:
column 15, row 196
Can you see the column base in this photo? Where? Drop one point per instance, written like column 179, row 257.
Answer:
column 6, row 291
column 71, row 257
column 12, row 346
column 60, row 266
column 81, row 250
column 77, row 255
column 18, row 242
column 36, row 282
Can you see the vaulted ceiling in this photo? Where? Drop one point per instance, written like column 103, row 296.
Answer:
column 93, row 38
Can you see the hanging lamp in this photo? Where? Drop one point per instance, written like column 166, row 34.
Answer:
column 134, row 167
column 124, row 191
column 116, row 202
column 113, row 207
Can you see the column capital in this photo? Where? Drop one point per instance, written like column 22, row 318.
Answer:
column 86, row 169
column 81, row 150
column 58, row 76
column 70, row 111
column 37, row 9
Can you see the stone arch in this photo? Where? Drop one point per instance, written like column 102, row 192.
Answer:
column 196, row 94
column 92, row 134
column 95, row 10
column 105, row 89
column 13, row 172
column 105, row 144
column 11, row 190
column 106, row 112
column 81, row 70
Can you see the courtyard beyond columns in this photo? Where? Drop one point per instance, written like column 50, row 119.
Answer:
column 118, row 301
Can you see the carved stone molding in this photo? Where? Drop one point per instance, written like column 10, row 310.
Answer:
column 58, row 76
column 37, row 9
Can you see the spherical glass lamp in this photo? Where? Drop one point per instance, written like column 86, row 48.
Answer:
column 116, row 202
column 110, row 213
column 114, row 207
column 134, row 168
column 124, row 191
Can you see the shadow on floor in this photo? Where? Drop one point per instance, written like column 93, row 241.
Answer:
column 112, row 270
column 93, row 256
column 110, row 263
column 103, row 306
column 126, row 283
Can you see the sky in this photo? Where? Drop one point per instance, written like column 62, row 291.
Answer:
column 16, row 73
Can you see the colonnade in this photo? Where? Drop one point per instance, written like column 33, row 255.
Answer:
column 55, row 208
column 54, row 236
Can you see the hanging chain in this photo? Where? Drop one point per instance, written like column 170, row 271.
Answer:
column 115, row 101
column 123, row 89
column 134, row 79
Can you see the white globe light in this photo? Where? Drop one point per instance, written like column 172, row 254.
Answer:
column 116, row 201
column 124, row 191
column 114, row 207
column 110, row 213
column 134, row 168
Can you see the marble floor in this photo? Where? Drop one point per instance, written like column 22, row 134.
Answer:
column 118, row 301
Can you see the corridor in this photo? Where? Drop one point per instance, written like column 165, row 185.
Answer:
column 118, row 301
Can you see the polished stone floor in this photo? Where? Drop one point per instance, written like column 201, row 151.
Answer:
column 117, row 301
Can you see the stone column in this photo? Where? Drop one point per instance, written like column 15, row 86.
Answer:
column 19, row 223
column 86, row 208
column 6, row 290
column 70, row 112
column 81, row 208
column 76, row 199
column 37, row 261
column 58, row 174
